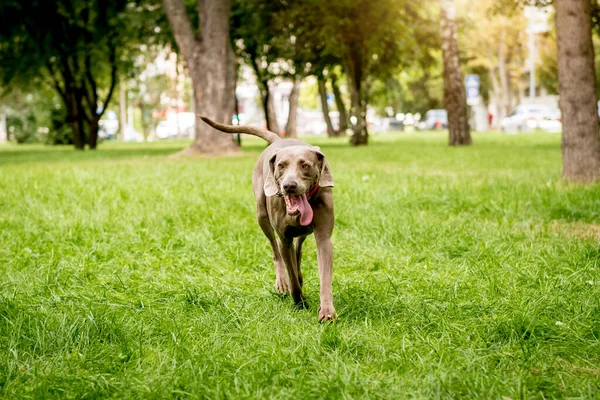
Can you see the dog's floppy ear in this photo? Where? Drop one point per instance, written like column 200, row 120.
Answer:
column 326, row 179
column 270, row 184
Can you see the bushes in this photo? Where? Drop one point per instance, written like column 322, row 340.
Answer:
column 37, row 117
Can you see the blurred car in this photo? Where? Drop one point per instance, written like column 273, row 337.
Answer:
column 387, row 125
column 177, row 125
column 108, row 126
column 434, row 119
column 529, row 117
column 166, row 129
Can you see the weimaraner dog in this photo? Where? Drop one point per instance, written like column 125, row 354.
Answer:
column 292, row 184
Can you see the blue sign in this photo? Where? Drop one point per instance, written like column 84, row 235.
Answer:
column 472, row 85
column 472, row 81
column 330, row 99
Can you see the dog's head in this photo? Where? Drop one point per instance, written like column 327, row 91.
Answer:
column 295, row 170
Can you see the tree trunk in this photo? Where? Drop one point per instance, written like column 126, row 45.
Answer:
column 359, row 111
column 94, row 128
column 339, row 104
column 454, row 90
column 232, row 75
column 503, row 72
column 206, row 58
column 3, row 126
column 122, row 108
column 577, row 89
column 291, row 125
column 75, row 120
column 496, row 97
column 269, row 109
column 265, row 95
column 231, row 83
column 325, row 107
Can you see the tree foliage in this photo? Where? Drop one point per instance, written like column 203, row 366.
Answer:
column 262, row 45
column 77, row 47
column 371, row 40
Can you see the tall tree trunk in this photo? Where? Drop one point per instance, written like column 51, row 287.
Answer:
column 3, row 126
column 76, row 121
column 291, row 124
column 496, row 96
column 503, row 72
column 94, row 129
column 265, row 95
column 122, row 108
column 269, row 108
column 339, row 104
column 232, row 75
column 206, row 57
column 359, row 111
column 454, row 90
column 325, row 107
column 231, row 83
column 577, row 89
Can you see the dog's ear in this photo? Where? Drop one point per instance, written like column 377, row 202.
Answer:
column 270, row 184
column 326, row 179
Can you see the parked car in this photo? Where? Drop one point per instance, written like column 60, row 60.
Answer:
column 529, row 117
column 434, row 119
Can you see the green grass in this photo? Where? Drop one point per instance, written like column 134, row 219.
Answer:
column 459, row 273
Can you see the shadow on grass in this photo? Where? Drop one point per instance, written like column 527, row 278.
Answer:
column 67, row 154
column 33, row 154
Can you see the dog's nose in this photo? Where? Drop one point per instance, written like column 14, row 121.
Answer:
column 290, row 186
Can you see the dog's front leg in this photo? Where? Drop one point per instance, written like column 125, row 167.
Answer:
column 288, row 253
column 323, row 228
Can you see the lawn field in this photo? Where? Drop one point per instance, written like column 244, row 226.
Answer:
column 458, row 273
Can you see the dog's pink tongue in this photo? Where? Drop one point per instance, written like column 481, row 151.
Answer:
column 306, row 212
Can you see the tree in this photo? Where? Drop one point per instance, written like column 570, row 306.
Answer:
column 577, row 88
column 454, row 89
column 339, row 103
column 577, row 85
column 325, row 106
column 259, row 42
column 209, row 58
column 291, row 124
column 304, row 46
column 499, row 55
column 371, row 39
column 74, row 46
column 35, row 115
column 418, row 86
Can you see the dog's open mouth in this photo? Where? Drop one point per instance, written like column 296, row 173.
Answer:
column 299, row 205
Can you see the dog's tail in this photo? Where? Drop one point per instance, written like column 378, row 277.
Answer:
column 261, row 133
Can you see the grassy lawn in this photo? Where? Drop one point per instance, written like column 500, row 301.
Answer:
column 459, row 273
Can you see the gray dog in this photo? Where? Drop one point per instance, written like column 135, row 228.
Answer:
column 292, row 185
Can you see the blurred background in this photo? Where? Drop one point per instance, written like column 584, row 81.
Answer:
column 75, row 69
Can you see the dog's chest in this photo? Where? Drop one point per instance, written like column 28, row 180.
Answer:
column 287, row 225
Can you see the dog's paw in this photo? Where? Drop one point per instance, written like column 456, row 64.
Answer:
column 282, row 285
column 327, row 313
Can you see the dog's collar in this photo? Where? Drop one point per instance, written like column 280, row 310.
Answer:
column 312, row 191
column 309, row 194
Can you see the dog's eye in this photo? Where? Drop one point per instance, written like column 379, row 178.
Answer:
column 305, row 166
column 280, row 166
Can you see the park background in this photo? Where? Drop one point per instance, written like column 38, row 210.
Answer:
column 466, row 251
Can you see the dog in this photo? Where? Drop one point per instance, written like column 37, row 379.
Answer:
column 292, row 183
